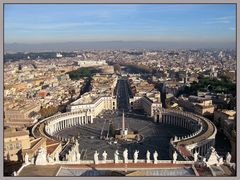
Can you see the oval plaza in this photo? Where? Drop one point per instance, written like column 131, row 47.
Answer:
column 84, row 110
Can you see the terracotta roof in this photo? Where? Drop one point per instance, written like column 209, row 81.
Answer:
column 15, row 134
column 184, row 151
column 51, row 149
column 51, row 142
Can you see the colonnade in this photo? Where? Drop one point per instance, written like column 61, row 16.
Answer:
column 203, row 131
column 181, row 121
column 68, row 121
column 202, row 149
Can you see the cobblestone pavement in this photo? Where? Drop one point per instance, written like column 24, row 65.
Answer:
column 155, row 136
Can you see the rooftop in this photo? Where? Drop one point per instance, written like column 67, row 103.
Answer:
column 229, row 112
column 12, row 132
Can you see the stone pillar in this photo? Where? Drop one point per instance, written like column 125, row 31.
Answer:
column 204, row 149
column 81, row 120
column 75, row 121
column 155, row 117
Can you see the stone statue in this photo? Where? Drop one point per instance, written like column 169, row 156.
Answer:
column 228, row 158
column 41, row 157
column 195, row 156
column 67, row 157
column 56, row 156
column 135, row 156
column 175, row 138
column 26, row 158
column 104, row 154
column 48, row 158
column 76, row 147
column 73, row 156
column 78, row 156
column 204, row 160
column 96, row 157
column 32, row 160
column 148, row 156
column 116, row 156
column 220, row 161
column 155, row 156
column 125, row 156
column 174, row 157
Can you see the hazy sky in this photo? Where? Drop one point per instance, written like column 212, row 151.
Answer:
column 42, row 23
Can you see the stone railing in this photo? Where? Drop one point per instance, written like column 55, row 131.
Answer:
column 203, row 130
column 52, row 120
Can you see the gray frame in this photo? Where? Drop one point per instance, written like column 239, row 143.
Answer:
column 111, row 1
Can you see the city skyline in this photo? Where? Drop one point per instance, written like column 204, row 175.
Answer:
column 189, row 24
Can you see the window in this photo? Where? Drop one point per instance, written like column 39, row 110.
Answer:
column 18, row 145
column 11, row 147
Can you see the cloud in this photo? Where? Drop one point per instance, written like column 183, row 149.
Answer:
column 53, row 26
column 223, row 18
column 232, row 28
column 219, row 20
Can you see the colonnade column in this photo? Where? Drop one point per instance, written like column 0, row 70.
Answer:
column 155, row 117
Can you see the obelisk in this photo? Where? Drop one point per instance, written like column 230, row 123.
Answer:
column 123, row 122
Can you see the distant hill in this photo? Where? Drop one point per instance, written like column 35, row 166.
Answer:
column 71, row 46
